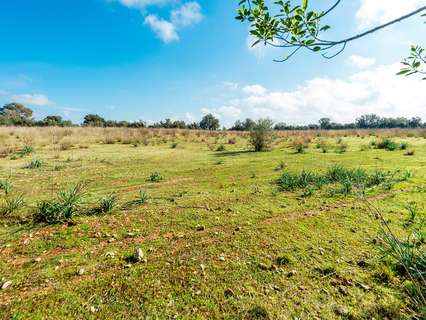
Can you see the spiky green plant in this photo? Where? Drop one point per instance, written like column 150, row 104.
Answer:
column 106, row 204
column 6, row 186
column 61, row 209
column 12, row 204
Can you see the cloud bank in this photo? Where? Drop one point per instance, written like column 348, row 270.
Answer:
column 377, row 90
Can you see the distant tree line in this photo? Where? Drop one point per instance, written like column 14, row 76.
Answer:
column 368, row 121
column 19, row 115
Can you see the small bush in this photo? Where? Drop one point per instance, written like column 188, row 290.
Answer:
column 6, row 186
column 26, row 150
column 299, row 148
column 35, row 164
column 105, row 205
column 61, row 209
column 155, row 177
column 140, row 200
column 221, row 148
column 289, row 181
column 13, row 204
column 387, row 144
column 347, row 178
column 262, row 135
column 341, row 147
column 403, row 146
column 174, row 145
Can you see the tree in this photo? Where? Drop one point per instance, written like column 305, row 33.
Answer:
column 209, row 122
column 262, row 135
column 94, row 120
column 16, row 114
column 51, row 121
column 294, row 27
column 325, row 123
column 246, row 125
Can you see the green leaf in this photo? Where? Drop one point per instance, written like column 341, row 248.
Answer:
column 305, row 4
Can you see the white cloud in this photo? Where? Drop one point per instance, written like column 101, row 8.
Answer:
column 32, row 99
column 373, row 12
column 167, row 29
column 164, row 29
column 377, row 90
column 229, row 111
column 255, row 89
column 361, row 62
column 230, row 85
column 140, row 4
column 189, row 117
column 188, row 14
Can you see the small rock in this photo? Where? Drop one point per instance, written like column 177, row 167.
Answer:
column 139, row 256
column 93, row 309
column 111, row 240
column 6, row 285
column 81, row 271
column 364, row 286
column 203, row 267
column 238, row 229
column 110, row 254
column 38, row 259
column 127, row 266
column 200, row 228
column 221, row 258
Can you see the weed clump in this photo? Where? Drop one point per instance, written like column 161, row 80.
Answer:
column 387, row 144
column 26, row 150
column 221, row 148
column 105, row 205
column 6, row 186
column 35, row 164
column 13, row 204
column 139, row 201
column 349, row 179
column 155, row 177
column 61, row 209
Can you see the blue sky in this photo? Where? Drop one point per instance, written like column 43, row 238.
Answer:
column 152, row 59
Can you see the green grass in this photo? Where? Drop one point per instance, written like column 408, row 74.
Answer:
column 221, row 241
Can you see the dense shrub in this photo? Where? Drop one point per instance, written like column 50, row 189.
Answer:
column 262, row 135
column 387, row 144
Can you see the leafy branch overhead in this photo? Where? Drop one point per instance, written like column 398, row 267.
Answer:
column 415, row 63
column 294, row 27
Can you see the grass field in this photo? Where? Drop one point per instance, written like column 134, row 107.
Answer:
column 221, row 239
